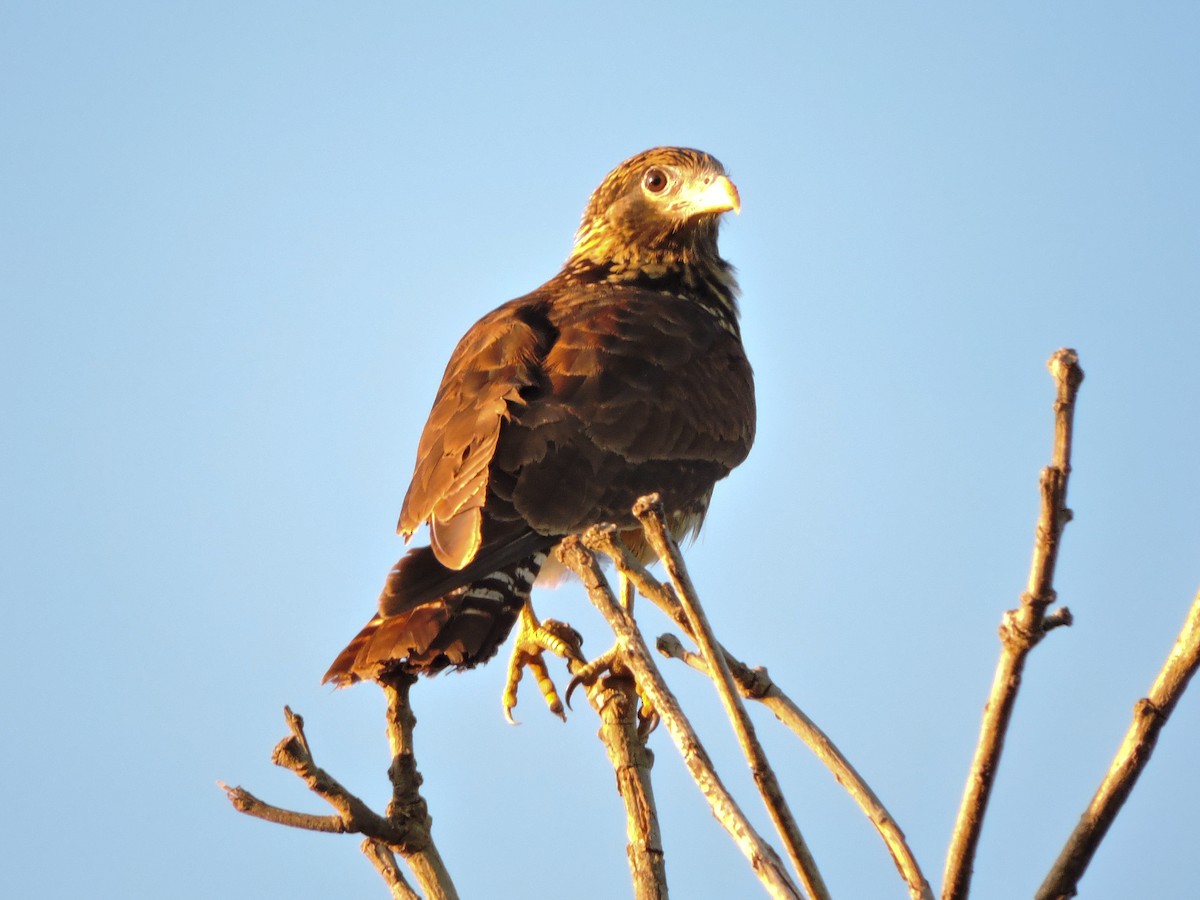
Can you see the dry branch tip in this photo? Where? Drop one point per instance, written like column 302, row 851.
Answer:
column 1021, row 629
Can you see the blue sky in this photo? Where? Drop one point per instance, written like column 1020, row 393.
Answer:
column 238, row 242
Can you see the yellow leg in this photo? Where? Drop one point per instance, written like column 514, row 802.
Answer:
column 533, row 639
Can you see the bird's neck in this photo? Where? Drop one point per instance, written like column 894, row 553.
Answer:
column 701, row 276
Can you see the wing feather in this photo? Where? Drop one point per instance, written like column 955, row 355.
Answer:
column 493, row 364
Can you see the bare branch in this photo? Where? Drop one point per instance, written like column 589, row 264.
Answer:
column 612, row 693
column 384, row 861
column 1150, row 714
column 1020, row 631
column 404, row 830
column 763, row 860
column 650, row 513
column 756, row 684
column 407, row 805
column 615, row 700
column 245, row 802
column 293, row 754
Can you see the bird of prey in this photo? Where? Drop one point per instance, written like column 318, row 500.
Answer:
column 622, row 375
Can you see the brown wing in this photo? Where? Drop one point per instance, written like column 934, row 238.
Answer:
column 494, row 365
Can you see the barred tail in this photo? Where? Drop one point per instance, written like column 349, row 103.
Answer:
column 462, row 628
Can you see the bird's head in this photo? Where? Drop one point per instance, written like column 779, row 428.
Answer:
column 657, row 208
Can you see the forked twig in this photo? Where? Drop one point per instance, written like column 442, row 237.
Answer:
column 1020, row 632
column 649, row 512
column 384, row 861
column 1150, row 714
column 756, row 684
column 406, row 828
column 763, row 860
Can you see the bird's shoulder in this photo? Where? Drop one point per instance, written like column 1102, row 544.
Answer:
column 567, row 324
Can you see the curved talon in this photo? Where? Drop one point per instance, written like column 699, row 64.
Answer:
column 588, row 673
column 533, row 639
column 509, row 698
column 610, row 663
column 648, row 719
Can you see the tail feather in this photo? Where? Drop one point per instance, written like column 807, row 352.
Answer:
column 462, row 628
column 419, row 578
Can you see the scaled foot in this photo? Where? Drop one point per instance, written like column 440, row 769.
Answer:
column 533, row 640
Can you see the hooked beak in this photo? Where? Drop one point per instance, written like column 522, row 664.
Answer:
column 718, row 196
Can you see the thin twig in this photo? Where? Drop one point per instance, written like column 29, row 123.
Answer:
column 245, row 802
column 384, row 861
column 1150, row 714
column 1020, row 631
column 763, row 860
column 649, row 512
column 756, row 684
column 406, row 827
column 292, row 753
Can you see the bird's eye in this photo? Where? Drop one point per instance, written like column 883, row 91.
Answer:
column 656, row 181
